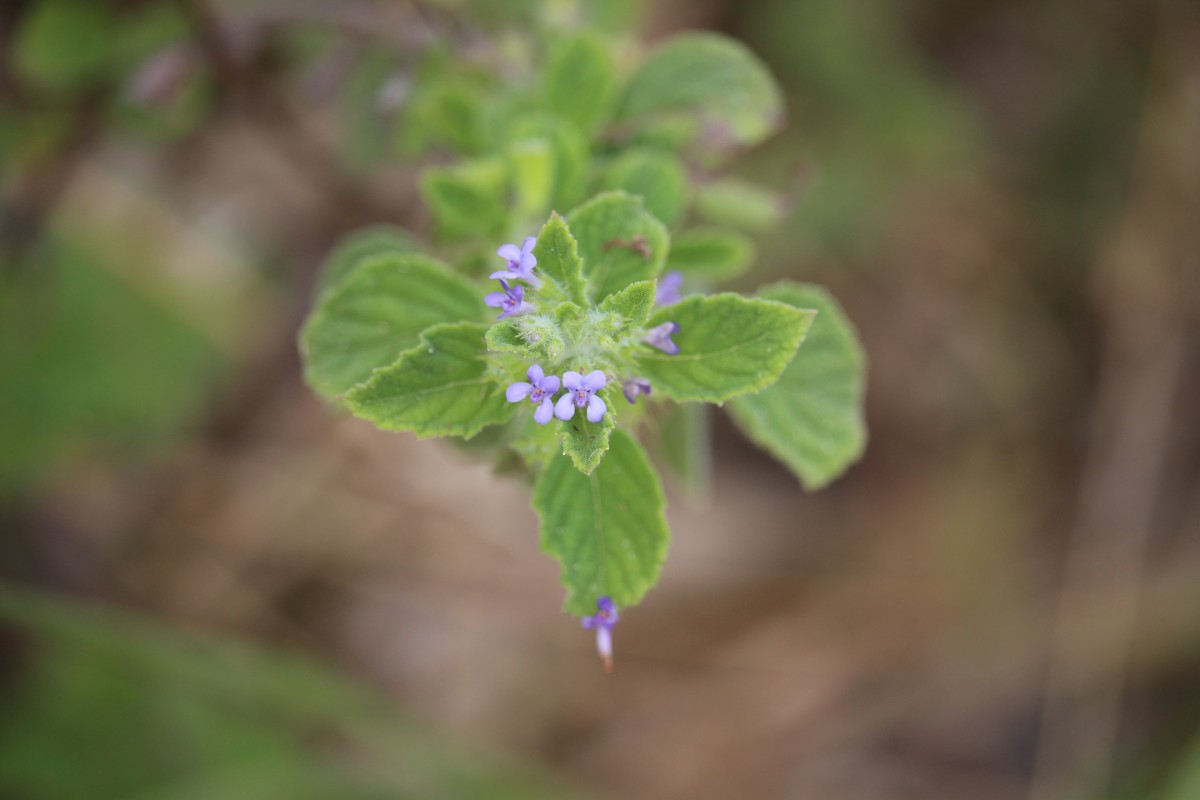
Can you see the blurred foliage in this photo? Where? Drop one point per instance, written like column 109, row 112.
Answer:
column 110, row 706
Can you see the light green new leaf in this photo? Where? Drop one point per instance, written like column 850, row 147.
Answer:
column 657, row 177
column 812, row 419
column 711, row 74
column 710, row 255
column 739, row 203
column 607, row 530
column 558, row 262
column 566, row 152
column 441, row 387
column 377, row 312
column 620, row 242
column 729, row 345
column 580, row 80
column 585, row 443
column 359, row 247
column 534, row 336
column 468, row 199
column 630, row 307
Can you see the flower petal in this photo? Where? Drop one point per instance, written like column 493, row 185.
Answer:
column 572, row 380
column 517, row 391
column 550, row 384
column 510, row 252
column 564, row 409
column 595, row 409
column 495, row 299
column 528, row 244
column 504, row 273
column 595, row 380
column 535, row 374
column 544, row 411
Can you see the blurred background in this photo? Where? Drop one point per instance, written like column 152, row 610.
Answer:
column 214, row 586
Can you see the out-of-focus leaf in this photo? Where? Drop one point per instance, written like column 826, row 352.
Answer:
column 581, row 80
column 710, row 255
column 710, row 74
column 659, row 178
column 812, row 419
column 684, row 441
column 740, row 204
column 566, row 155
column 469, row 199
column 358, row 248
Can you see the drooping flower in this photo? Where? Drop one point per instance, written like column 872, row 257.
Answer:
column 511, row 301
column 660, row 337
column 602, row 623
column 667, row 292
column 582, row 392
column 634, row 387
column 539, row 390
column 521, row 262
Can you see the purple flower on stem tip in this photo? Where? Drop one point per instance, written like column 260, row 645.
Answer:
column 660, row 337
column 582, row 393
column 538, row 390
column 634, row 387
column 511, row 301
column 667, row 292
column 520, row 262
column 602, row 622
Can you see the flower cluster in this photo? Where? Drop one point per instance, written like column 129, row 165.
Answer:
column 519, row 267
column 581, row 393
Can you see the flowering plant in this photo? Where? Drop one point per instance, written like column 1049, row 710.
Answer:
column 605, row 326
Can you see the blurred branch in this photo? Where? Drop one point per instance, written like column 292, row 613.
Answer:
column 1148, row 346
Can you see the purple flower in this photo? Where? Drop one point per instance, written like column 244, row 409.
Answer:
column 660, row 337
column 511, row 301
column 582, row 393
column 539, row 389
column 668, row 289
column 602, row 622
column 520, row 263
column 634, row 387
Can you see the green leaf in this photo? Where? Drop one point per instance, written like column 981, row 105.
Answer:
column 359, row 247
column 812, row 419
column 710, row 74
column 585, row 443
column 377, row 312
column 684, row 441
column 657, row 177
column 710, row 255
column 739, row 203
column 581, row 80
column 558, row 262
column 729, row 345
column 441, row 387
column 607, row 530
column 468, row 199
column 629, row 308
column 620, row 242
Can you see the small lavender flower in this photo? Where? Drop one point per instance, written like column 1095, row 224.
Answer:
column 520, row 262
column 602, row 622
column 511, row 301
column 539, row 389
column 634, row 387
column 582, row 393
column 660, row 337
column 667, row 292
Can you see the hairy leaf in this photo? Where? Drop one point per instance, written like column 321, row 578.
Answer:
column 631, row 307
column 812, row 419
column 729, row 345
column 608, row 529
column 441, row 387
column 585, row 443
column 377, row 312
column 359, row 247
column 620, row 242
column 558, row 262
